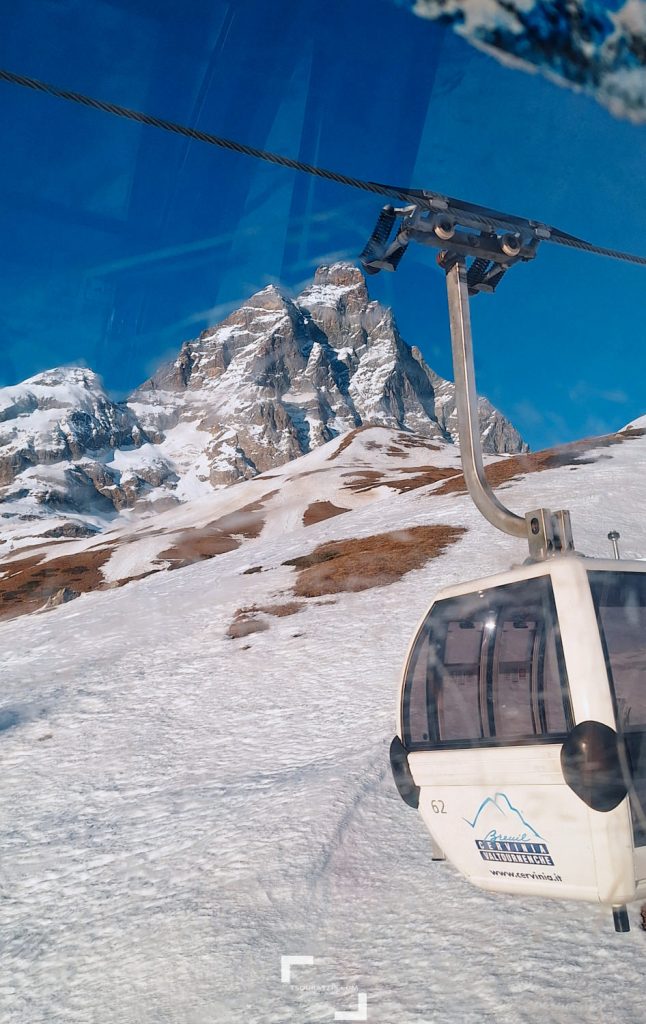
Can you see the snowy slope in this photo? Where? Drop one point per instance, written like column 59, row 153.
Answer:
column 182, row 809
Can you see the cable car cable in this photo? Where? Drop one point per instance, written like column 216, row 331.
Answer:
column 484, row 217
column 200, row 136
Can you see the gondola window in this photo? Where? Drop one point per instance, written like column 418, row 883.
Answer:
column 488, row 669
column 620, row 601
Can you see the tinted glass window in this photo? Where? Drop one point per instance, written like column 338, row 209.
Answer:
column 488, row 668
column 620, row 601
column 417, row 672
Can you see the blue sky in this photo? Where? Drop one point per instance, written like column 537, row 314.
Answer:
column 120, row 242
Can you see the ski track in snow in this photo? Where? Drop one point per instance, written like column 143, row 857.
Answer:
column 180, row 810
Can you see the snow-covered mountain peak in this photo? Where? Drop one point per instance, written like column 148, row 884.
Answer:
column 61, row 375
column 341, row 273
column 61, row 404
column 269, row 298
column 269, row 292
column 339, row 286
column 280, row 376
column 81, row 376
column 274, row 380
column 341, row 276
column 61, row 387
column 58, row 431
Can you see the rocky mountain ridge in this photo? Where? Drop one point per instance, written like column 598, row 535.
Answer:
column 274, row 380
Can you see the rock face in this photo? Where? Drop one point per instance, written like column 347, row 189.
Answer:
column 59, row 438
column 274, row 380
column 280, row 376
column 59, row 415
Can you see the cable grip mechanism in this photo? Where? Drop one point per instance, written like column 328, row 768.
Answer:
column 475, row 252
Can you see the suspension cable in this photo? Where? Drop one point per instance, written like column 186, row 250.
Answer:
column 199, row 136
column 403, row 194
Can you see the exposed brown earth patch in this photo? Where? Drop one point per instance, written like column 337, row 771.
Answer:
column 366, row 562
column 250, row 620
column 216, row 538
column 403, row 441
column 29, row 583
column 319, row 511
column 552, row 458
column 347, row 441
column 417, row 441
column 421, row 476
column 196, row 546
column 282, row 610
column 307, row 472
column 247, row 521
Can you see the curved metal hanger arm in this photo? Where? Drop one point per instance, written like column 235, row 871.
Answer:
column 467, row 407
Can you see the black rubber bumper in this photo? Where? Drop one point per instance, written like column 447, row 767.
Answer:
column 402, row 774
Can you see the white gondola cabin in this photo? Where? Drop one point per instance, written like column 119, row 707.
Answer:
column 522, row 730
column 522, row 719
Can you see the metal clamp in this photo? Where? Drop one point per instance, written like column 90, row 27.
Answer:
column 548, row 533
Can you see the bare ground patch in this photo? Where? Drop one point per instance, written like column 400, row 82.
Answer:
column 197, row 545
column 29, row 583
column 247, row 521
column 421, row 476
column 347, row 441
column 218, row 537
column 403, row 440
column 252, row 619
column 282, row 610
column 318, row 511
column 417, row 441
column 552, row 458
column 365, row 562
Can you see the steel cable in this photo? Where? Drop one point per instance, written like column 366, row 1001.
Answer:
column 415, row 196
column 200, row 136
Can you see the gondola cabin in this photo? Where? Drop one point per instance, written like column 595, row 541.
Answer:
column 522, row 730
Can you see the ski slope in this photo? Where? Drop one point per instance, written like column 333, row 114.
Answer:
column 181, row 809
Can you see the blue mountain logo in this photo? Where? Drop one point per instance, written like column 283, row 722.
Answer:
column 499, row 815
column 507, row 837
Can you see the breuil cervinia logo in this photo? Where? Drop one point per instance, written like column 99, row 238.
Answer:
column 506, row 835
